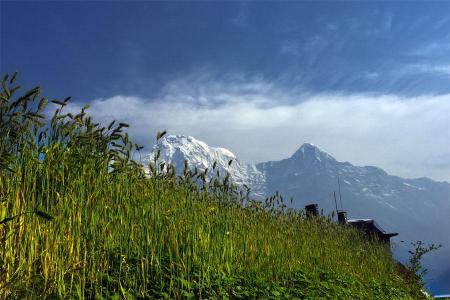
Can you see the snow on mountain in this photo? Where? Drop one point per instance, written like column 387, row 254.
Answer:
column 175, row 149
column 312, row 154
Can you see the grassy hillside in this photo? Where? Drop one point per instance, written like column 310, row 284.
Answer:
column 79, row 219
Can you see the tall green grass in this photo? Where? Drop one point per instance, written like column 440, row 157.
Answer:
column 80, row 219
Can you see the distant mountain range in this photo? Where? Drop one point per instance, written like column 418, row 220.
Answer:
column 418, row 209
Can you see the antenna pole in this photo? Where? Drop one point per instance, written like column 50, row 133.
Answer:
column 335, row 203
column 340, row 196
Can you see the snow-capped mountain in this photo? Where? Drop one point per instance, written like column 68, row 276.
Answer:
column 418, row 209
column 175, row 149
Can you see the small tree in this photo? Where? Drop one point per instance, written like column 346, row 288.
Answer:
column 418, row 251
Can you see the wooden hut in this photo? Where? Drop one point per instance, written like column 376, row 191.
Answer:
column 371, row 229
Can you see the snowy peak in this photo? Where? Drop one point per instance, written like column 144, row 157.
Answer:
column 176, row 149
column 311, row 155
column 310, row 151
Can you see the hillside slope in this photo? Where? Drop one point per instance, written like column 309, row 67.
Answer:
column 80, row 220
column 418, row 209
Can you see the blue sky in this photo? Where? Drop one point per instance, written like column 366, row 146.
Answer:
column 367, row 81
column 99, row 49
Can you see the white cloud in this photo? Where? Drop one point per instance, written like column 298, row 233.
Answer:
column 371, row 75
column 439, row 70
column 261, row 121
column 441, row 47
column 290, row 47
column 419, row 69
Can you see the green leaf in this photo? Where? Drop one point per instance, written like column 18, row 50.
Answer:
column 160, row 134
column 14, row 89
column 6, row 90
column 6, row 220
column 276, row 293
column 31, row 92
column 11, row 81
column 87, row 106
column 59, row 102
column 111, row 124
column 36, row 115
column 42, row 104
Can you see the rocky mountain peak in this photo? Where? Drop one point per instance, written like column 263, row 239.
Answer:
column 309, row 154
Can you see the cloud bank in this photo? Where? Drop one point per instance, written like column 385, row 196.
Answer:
column 260, row 121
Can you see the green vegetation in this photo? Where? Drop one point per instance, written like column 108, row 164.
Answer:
column 416, row 254
column 79, row 219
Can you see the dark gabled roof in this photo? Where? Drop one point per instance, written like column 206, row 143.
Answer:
column 370, row 225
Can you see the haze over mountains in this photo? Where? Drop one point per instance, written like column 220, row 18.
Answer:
column 418, row 209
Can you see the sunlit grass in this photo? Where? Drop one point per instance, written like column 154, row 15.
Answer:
column 116, row 232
